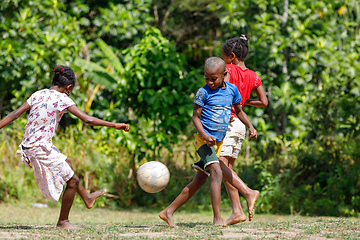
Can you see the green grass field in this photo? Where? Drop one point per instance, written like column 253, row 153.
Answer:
column 27, row 222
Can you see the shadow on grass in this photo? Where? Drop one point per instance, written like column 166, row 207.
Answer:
column 138, row 226
column 194, row 224
column 187, row 225
column 23, row 227
column 16, row 227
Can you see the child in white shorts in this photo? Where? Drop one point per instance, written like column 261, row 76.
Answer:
column 232, row 142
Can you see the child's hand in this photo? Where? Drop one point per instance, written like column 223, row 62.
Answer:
column 122, row 126
column 253, row 133
column 232, row 118
column 210, row 140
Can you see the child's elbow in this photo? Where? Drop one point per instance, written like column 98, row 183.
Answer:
column 265, row 103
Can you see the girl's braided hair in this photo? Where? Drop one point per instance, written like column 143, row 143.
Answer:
column 63, row 76
column 239, row 46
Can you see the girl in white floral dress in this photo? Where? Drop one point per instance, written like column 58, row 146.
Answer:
column 53, row 169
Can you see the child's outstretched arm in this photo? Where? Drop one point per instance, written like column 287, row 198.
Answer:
column 245, row 120
column 210, row 140
column 14, row 115
column 262, row 100
column 96, row 121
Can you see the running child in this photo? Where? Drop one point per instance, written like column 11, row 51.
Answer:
column 52, row 169
column 211, row 116
column 234, row 52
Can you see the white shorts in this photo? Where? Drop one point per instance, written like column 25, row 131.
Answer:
column 232, row 142
column 50, row 169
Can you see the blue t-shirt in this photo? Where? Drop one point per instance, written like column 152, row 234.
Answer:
column 216, row 104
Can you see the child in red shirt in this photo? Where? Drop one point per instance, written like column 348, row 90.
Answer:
column 234, row 53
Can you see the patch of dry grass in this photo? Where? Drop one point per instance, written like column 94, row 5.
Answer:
column 25, row 221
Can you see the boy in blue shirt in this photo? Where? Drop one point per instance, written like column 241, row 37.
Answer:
column 211, row 117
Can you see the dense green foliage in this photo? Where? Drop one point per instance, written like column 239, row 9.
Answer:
column 141, row 61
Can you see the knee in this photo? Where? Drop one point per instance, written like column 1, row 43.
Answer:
column 74, row 182
column 227, row 161
column 223, row 160
column 216, row 172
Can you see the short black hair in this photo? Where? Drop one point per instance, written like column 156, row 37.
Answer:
column 214, row 62
column 239, row 46
column 63, row 76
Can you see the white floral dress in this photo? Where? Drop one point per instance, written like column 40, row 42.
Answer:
column 37, row 151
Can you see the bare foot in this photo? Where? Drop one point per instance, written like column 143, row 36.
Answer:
column 65, row 225
column 168, row 218
column 234, row 218
column 218, row 222
column 251, row 200
column 93, row 196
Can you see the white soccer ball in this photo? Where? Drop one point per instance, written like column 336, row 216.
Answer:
column 153, row 176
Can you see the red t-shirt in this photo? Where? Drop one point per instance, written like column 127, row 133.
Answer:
column 245, row 80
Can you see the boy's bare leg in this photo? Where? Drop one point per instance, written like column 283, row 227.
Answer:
column 215, row 192
column 187, row 193
column 237, row 212
column 251, row 195
column 66, row 203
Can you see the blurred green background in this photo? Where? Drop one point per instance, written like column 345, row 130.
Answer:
column 141, row 62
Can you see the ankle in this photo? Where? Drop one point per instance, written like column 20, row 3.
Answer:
column 237, row 212
column 248, row 193
column 60, row 222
